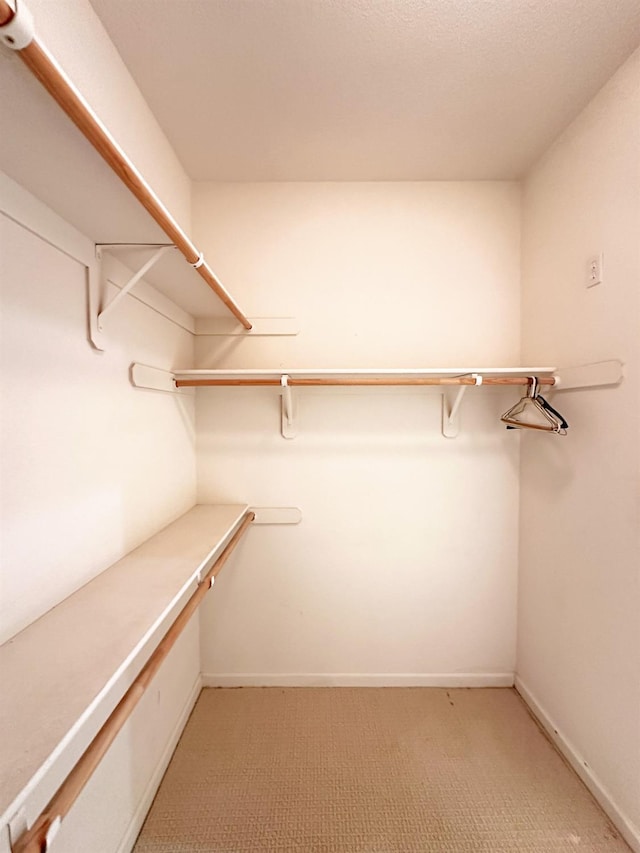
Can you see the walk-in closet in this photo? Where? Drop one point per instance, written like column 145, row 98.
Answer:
column 320, row 426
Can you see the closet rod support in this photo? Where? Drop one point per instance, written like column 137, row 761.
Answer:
column 596, row 375
column 18, row 30
column 276, row 514
column 451, row 410
column 287, row 414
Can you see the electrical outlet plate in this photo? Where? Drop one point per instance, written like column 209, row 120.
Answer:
column 594, row 270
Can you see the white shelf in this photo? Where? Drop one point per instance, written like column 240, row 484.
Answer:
column 328, row 373
column 45, row 153
column 599, row 374
column 287, row 378
column 64, row 674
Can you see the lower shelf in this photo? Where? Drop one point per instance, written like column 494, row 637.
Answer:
column 64, row 674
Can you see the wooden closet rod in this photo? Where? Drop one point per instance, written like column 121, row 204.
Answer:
column 370, row 380
column 36, row 839
column 45, row 68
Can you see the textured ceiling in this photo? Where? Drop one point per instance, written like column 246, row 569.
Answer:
column 273, row 90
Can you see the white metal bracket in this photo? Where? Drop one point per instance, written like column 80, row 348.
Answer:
column 597, row 375
column 154, row 379
column 18, row 825
column 201, row 575
column 451, row 408
column 18, row 32
column 144, row 269
column 98, row 310
column 287, row 409
column 260, row 327
column 276, row 514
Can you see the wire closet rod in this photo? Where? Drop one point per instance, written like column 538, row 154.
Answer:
column 39, row 837
column 364, row 380
column 46, row 69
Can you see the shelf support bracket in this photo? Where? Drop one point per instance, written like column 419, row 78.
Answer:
column 96, row 285
column 144, row 269
column 276, row 514
column 597, row 375
column 451, row 408
column 154, row 379
column 287, row 412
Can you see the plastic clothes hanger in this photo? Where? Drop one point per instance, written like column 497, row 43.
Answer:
column 534, row 412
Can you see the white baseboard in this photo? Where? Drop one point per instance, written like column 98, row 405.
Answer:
column 347, row 679
column 135, row 825
column 625, row 827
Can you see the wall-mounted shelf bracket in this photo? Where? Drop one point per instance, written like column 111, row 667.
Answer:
column 596, row 375
column 260, row 327
column 98, row 308
column 18, row 825
column 203, row 573
column 276, row 514
column 154, row 379
column 451, row 408
column 287, row 409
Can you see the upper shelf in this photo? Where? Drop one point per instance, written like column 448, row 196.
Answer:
column 595, row 375
column 51, row 158
column 63, row 675
column 363, row 375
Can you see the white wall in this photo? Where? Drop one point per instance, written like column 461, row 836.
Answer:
column 89, row 467
column 579, row 602
column 404, row 566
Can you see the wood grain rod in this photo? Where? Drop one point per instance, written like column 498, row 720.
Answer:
column 46, row 70
column 6, row 13
column 34, row 840
column 348, row 380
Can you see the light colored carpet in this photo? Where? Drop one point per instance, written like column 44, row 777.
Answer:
column 367, row 770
